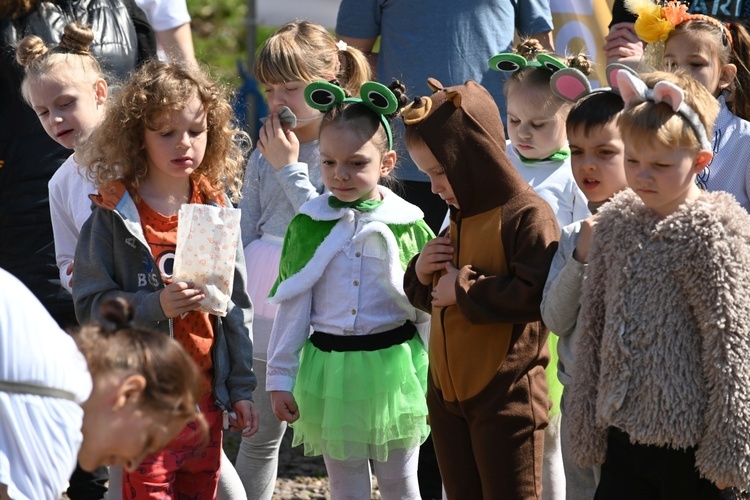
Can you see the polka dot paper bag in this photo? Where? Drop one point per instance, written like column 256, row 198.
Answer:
column 207, row 239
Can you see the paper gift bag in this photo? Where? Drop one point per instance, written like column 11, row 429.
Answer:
column 207, row 239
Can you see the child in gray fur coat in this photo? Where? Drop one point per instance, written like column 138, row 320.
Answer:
column 660, row 393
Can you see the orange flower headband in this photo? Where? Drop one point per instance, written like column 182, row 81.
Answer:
column 655, row 22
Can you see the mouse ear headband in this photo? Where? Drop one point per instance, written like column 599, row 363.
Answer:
column 570, row 84
column 634, row 91
column 377, row 97
column 509, row 62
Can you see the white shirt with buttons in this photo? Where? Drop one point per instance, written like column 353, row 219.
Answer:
column 359, row 292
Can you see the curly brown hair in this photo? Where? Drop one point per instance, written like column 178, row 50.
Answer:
column 116, row 150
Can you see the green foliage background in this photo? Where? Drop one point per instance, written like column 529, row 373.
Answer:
column 220, row 30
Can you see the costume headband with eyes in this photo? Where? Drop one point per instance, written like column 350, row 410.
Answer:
column 570, row 84
column 634, row 91
column 376, row 96
column 510, row 62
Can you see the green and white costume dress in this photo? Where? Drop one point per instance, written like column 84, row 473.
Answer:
column 341, row 276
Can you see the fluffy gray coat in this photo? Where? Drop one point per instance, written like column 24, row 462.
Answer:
column 665, row 347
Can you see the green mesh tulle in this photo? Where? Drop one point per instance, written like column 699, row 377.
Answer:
column 361, row 403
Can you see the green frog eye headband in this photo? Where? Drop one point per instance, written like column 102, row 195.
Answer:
column 380, row 99
column 509, row 62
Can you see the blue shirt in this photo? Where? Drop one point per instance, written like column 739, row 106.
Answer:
column 445, row 39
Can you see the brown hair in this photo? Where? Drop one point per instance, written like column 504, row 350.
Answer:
column 173, row 381
column 305, row 51
column 73, row 50
column 115, row 151
column 359, row 117
column 735, row 51
column 17, row 8
column 649, row 121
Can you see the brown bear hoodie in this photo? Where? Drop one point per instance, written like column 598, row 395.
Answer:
column 504, row 237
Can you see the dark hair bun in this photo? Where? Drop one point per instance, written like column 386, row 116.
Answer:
column 117, row 312
column 399, row 90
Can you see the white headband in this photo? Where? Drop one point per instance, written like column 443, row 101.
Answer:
column 634, row 91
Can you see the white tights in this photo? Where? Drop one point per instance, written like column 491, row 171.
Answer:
column 397, row 478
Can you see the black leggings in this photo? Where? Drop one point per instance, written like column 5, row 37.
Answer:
column 646, row 472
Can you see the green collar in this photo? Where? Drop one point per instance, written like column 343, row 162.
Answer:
column 560, row 155
column 361, row 205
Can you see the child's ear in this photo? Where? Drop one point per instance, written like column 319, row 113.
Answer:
column 129, row 390
column 101, row 90
column 388, row 163
column 727, row 75
column 701, row 160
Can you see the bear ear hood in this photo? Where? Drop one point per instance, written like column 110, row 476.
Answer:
column 461, row 126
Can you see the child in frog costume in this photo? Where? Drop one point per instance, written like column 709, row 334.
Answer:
column 354, row 390
column 482, row 281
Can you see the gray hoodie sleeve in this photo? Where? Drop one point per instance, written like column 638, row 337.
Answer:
column 295, row 181
column 562, row 292
column 96, row 273
column 234, row 379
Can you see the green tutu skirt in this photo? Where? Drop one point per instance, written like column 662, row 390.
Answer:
column 361, row 404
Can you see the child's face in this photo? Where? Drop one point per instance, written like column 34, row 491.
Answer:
column 688, row 52
column 535, row 131
column 663, row 176
column 351, row 164
column 597, row 159
column 292, row 95
column 427, row 163
column 122, row 432
column 176, row 149
column 69, row 104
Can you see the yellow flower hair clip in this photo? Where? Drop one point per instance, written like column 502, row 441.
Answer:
column 657, row 20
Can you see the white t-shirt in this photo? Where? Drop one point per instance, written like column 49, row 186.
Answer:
column 39, row 436
column 165, row 14
column 70, row 207
column 554, row 181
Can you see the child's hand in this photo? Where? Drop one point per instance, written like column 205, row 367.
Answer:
column 581, row 252
column 68, row 272
column 432, row 258
column 279, row 147
column 248, row 419
column 179, row 298
column 284, row 406
column 444, row 294
column 623, row 45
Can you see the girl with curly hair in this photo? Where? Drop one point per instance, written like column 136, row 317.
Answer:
column 169, row 139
